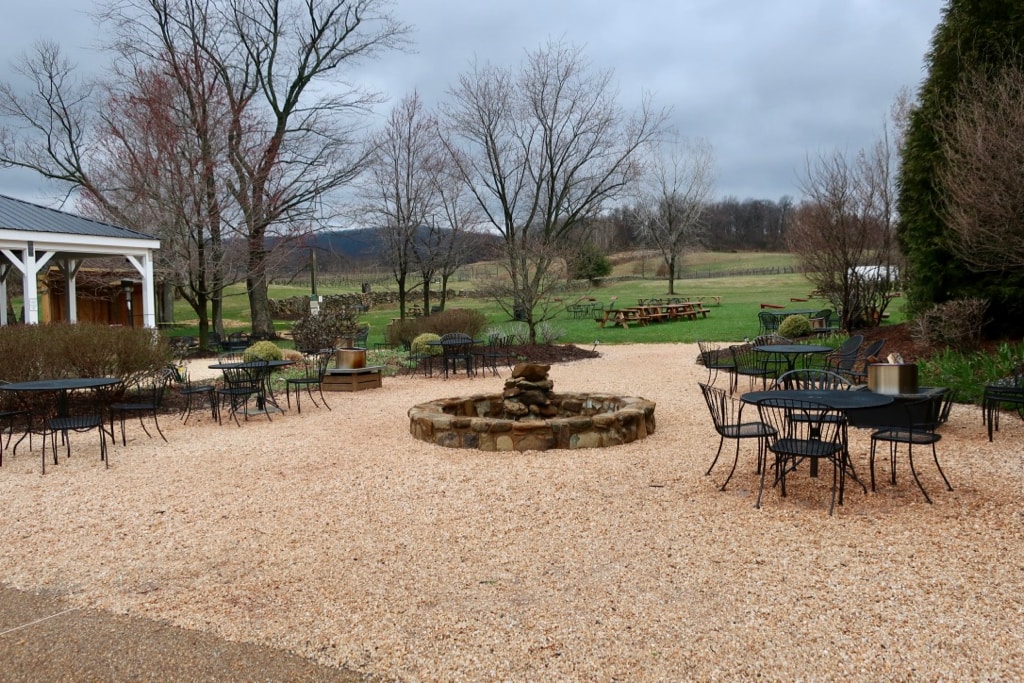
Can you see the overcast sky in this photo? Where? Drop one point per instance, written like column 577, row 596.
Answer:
column 767, row 82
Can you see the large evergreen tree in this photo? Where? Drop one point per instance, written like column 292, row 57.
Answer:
column 974, row 36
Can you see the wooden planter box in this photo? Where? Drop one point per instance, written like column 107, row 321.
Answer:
column 352, row 379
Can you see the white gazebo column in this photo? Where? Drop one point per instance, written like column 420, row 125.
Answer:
column 144, row 265
column 29, row 266
column 69, row 268
column 5, row 270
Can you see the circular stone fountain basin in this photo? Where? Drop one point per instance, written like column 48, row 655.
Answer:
column 581, row 420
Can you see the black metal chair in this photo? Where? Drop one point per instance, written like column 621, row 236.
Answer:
column 842, row 360
column 921, row 419
column 727, row 415
column 456, row 349
column 314, row 369
column 242, row 384
column 1008, row 391
column 714, row 358
column 768, row 322
column 821, row 322
column 497, row 352
column 192, row 391
column 816, row 434
column 86, row 414
column 747, row 362
column 10, row 416
column 810, row 378
column 143, row 397
column 866, row 356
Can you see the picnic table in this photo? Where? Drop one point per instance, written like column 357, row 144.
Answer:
column 622, row 317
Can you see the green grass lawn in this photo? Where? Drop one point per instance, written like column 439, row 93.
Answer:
column 733, row 320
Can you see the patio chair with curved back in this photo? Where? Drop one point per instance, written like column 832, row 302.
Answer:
column 750, row 364
column 768, row 322
column 314, row 369
column 145, row 396
column 921, row 419
column 1008, row 391
column 456, row 349
column 817, row 435
column 842, row 360
column 193, row 392
column 497, row 352
column 811, row 378
column 714, row 358
column 866, row 356
column 727, row 415
column 241, row 384
column 12, row 415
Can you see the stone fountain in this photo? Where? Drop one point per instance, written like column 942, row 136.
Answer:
column 529, row 416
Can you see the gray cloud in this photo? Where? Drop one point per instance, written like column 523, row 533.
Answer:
column 766, row 81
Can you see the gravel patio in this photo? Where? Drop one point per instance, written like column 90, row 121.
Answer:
column 337, row 536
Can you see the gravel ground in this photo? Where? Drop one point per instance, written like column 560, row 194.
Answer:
column 336, row 536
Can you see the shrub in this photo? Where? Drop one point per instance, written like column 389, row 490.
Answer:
column 402, row 332
column 421, row 347
column 262, row 350
column 463, row 320
column 547, row 333
column 954, row 324
column 323, row 330
column 794, row 326
column 590, row 263
column 519, row 331
column 32, row 352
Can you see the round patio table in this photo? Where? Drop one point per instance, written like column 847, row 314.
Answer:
column 792, row 351
column 837, row 399
column 266, row 397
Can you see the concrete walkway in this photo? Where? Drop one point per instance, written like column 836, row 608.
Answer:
column 42, row 638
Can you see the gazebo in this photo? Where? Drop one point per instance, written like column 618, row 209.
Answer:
column 34, row 237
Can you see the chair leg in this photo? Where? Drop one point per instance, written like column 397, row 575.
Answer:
column 156, row 423
column 935, row 456
column 320, row 388
column 721, row 441
column 735, row 460
column 913, row 470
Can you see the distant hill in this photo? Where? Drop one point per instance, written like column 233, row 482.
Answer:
column 342, row 249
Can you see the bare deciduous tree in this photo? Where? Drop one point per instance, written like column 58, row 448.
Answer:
column 983, row 175
column 543, row 151
column 274, row 67
column 674, row 196
column 843, row 231
column 399, row 194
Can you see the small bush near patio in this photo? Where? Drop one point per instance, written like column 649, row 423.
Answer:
column 421, row 344
column 463, row 320
column 955, row 324
column 794, row 327
column 262, row 350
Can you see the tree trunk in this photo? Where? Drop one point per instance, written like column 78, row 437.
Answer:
column 256, row 284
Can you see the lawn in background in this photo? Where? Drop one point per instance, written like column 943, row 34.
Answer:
column 733, row 320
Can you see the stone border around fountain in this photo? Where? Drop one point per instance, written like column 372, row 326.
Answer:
column 582, row 420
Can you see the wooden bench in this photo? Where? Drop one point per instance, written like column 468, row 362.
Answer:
column 716, row 299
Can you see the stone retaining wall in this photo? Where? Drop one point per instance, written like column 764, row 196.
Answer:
column 585, row 420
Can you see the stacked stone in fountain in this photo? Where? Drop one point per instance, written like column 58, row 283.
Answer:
column 528, row 392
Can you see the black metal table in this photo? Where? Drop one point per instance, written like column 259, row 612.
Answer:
column 60, row 388
column 847, row 400
column 266, row 396
column 790, row 352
